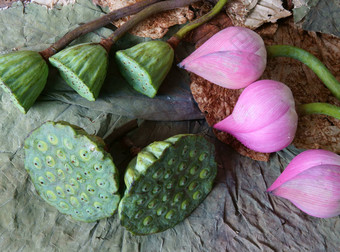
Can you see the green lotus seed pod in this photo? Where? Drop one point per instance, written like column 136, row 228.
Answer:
column 165, row 182
column 146, row 65
column 83, row 67
column 23, row 76
column 71, row 171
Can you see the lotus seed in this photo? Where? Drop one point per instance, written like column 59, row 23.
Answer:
column 37, row 162
column 157, row 174
column 183, row 181
column 83, row 197
column 182, row 167
column 53, row 139
column 139, row 214
column 61, row 174
column 171, row 161
column 60, row 192
column 156, row 189
column 147, row 221
column 167, row 174
column 50, row 161
column 68, row 168
column 50, row 176
column 51, row 196
column 169, row 186
column 74, row 202
column 184, row 205
column 98, row 167
column 90, row 189
column 204, row 173
column 197, row 195
column 170, row 214
column 203, row 156
column 61, row 154
column 68, row 144
column 193, row 153
column 178, row 197
column 185, row 150
column 41, row 180
column 152, row 204
column 193, row 185
column 69, row 189
column 100, row 182
column 161, row 210
column 64, row 205
column 84, row 154
column 146, row 187
column 74, row 160
column 74, row 183
column 42, row 146
column 165, row 198
column 194, row 169
column 97, row 205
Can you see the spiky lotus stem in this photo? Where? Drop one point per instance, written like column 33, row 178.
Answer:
column 71, row 171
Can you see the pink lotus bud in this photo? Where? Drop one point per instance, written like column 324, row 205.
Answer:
column 264, row 118
column 311, row 182
column 233, row 58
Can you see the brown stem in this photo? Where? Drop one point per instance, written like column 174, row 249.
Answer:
column 94, row 25
column 153, row 9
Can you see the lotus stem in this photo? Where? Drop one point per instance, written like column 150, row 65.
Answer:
column 94, row 25
column 319, row 108
column 311, row 61
column 145, row 13
column 177, row 37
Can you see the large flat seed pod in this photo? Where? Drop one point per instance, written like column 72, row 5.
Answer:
column 71, row 171
column 166, row 182
column 83, row 67
column 23, row 76
column 145, row 65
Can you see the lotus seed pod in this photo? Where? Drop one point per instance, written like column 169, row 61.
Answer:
column 71, row 171
column 145, row 65
column 83, row 67
column 165, row 182
column 23, row 76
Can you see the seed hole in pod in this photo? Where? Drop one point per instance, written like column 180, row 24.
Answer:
column 42, row 146
column 84, row 154
column 50, row 176
column 185, row 150
column 103, row 196
column 202, row 156
column 74, row 160
column 90, row 189
column 146, row 187
column 50, row 161
column 197, row 195
column 194, row 169
column 157, row 174
column 53, row 139
column 152, row 204
column 156, row 189
column 101, row 182
column 79, row 178
column 182, row 167
column 74, row 201
column 147, row 221
column 182, row 181
column 60, row 191
column 68, row 168
column 41, row 180
column 68, row 144
column 165, row 198
column 139, row 214
column 89, row 211
column 167, row 174
column 170, row 214
column 98, row 167
column 161, row 211
column 178, row 197
column 184, row 204
column 51, row 196
column 204, row 173
column 64, row 205
column 97, row 205
column 61, row 174
column 61, row 154
column 171, row 161
column 193, row 185
column 169, row 186
column 193, row 153
column 84, row 197
column 69, row 189
column 37, row 163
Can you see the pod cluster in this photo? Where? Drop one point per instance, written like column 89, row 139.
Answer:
column 72, row 172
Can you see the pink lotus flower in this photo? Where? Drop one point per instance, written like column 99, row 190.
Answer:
column 264, row 118
column 232, row 58
column 312, row 183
